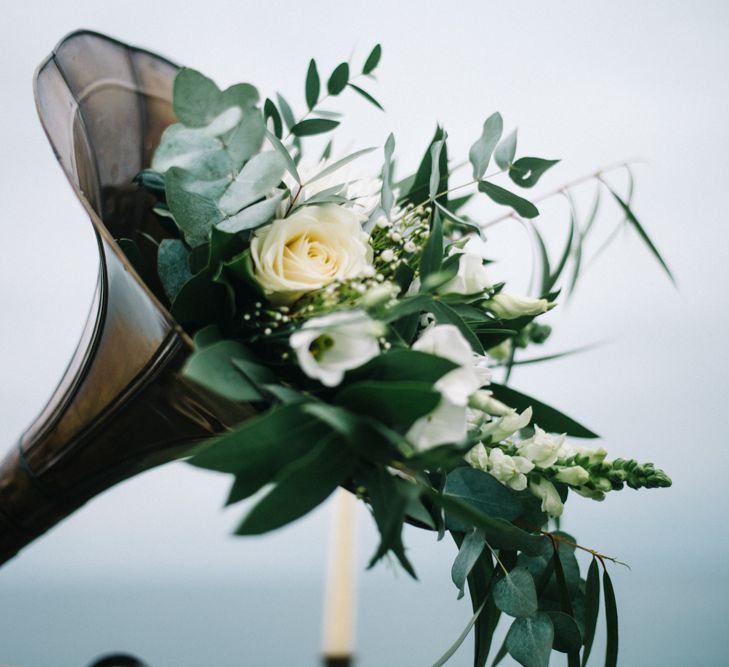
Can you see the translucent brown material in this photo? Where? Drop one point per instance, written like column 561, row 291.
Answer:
column 121, row 406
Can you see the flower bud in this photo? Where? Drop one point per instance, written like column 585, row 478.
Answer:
column 483, row 400
column 572, row 475
column 511, row 306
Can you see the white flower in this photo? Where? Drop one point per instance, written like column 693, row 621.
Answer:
column 387, row 255
column 544, row 490
column 363, row 192
column 484, row 401
column 447, row 341
column 572, row 475
column 472, row 277
column 308, row 250
column 328, row 346
column 542, row 448
column 448, row 422
column 510, row 470
column 502, row 428
column 511, row 306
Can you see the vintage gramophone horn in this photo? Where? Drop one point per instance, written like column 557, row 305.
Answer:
column 121, row 407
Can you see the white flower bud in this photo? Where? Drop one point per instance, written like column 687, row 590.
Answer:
column 387, row 255
column 542, row 448
column 545, row 491
column 506, row 426
column 483, row 400
column 572, row 475
column 510, row 306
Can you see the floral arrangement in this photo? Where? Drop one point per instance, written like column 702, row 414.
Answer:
column 357, row 314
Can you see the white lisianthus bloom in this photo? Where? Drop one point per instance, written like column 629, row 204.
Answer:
column 572, row 475
column 511, row 306
column 448, row 422
column 313, row 247
column 510, row 470
column 328, row 346
column 547, row 493
column 472, row 276
column 362, row 192
column 506, row 426
column 543, row 448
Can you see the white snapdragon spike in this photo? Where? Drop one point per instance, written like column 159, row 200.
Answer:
column 506, row 426
column 328, row 346
column 448, row 423
column 511, row 306
column 572, row 475
column 472, row 276
column 547, row 493
column 483, row 400
column 510, row 470
column 543, row 448
column 361, row 190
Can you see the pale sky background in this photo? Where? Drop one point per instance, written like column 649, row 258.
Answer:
column 149, row 567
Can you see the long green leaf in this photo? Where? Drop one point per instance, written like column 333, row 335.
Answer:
column 373, row 59
column 339, row 79
column 339, row 164
column 311, row 126
column 480, row 153
column 461, row 638
column 504, row 197
column 643, row 234
column 366, row 95
column 468, row 554
column 313, row 85
column 611, row 621
column 592, row 608
column 432, row 257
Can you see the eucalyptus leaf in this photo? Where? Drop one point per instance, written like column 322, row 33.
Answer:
column 335, row 166
column 611, row 621
column 254, row 216
column 434, row 183
column 527, row 171
column 194, row 97
column 339, row 79
column 313, row 85
column 311, row 126
column 366, row 95
column 567, row 637
column 516, row 594
column 592, row 608
column 286, row 112
column 260, row 174
column 469, row 552
column 529, row 640
column 172, row 266
column 284, row 153
column 480, row 153
column 192, row 150
column 504, row 197
column 432, row 257
column 461, row 638
column 373, row 59
column 483, row 491
column 387, row 198
column 505, row 151
column 271, row 112
column 194, row 214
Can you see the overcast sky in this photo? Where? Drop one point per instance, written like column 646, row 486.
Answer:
column 591, row 83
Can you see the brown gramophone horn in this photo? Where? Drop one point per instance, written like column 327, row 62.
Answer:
column 121, row 407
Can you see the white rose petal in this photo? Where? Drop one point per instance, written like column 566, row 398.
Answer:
column 326, row 347
column 313, row 247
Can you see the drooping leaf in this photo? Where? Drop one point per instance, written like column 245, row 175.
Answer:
column 516, row 594
column 286, row 112
column 311, row 126
column 417, row 192
column 461, row 638
column 529, row 640
column 386, row 196
column 630, row 216
column 469, row 552
column 253, row 216
column 527, row 171
column 547, row 417
column 313, row 86
column 339, row 164
column 271, row 112
column 567, row 637
column 505, row 151
column 339, row 79
column 457, row 219
column 480, row 153
column 366, row 95
column 435, row 151
column 283, row 152
column 504, row 197
column 432, row 257
column 373, row 59
column 301, row 486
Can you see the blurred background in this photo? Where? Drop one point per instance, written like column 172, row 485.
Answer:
column 150, row 567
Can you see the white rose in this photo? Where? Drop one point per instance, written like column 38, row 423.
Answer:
column 510, row 470
column 472, row 277
column 511, row 306
column 313, row 247
column 545, row 491
column 542, row 448
column 328, row 346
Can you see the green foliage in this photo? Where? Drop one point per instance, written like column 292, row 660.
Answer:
column 592, row 607
column 480, row 153
column 339, row 79
column 529, row 640
column 373, row 59
column 505, row 151
column 527, row 171
column 516, row 594
column 483, row 492
column 502, row 196
column 611, row 621
column 311, row 126
column 313, row 85
column 172, row 266
column 468, row 554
